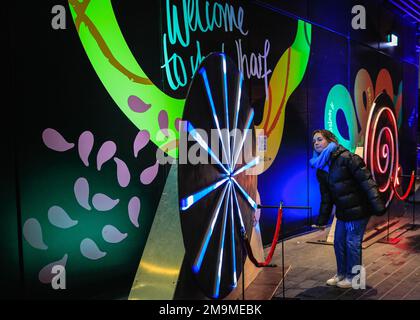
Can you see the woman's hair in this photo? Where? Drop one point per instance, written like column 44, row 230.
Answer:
column 328, row 135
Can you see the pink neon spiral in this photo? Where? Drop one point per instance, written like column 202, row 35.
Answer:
column 381, row 148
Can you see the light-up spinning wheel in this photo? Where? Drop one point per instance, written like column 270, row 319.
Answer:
column 381, row 145
column 217, row 198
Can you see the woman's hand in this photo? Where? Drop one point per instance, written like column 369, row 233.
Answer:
column 315, row 226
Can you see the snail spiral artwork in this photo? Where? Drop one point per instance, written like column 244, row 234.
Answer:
column 381, row 145
column 217, row 199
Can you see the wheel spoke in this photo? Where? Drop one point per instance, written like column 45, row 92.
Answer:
column 221, row 246
column 210, row 228
column 232, row 237
column 215, row 118
column 247, row 126
column 239, row 209
column 197, row 137
column 235, row 125
column 246, row 195
column 249, row 165
column 225, row 95
column 192, row 199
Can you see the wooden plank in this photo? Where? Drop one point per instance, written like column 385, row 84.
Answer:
column 382, row 235
column 370, row 237
column 266, row 284
column 378, row 229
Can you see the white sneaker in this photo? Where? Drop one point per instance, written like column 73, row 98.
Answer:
column 334, row 280
column 344, row 284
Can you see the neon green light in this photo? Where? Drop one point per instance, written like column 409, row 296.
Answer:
column 119, row 71
column 340, row 99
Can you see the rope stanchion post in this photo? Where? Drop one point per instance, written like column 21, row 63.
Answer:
column 411, row 189
column 402, row 198
column 414, row 206
column 387, row 239
column 414, row 226
column 243, row 272
column 279, row 226
column 245, row 239
column 282, row 258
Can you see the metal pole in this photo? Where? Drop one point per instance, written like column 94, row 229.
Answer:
column 282, row 235
column 414, row 205
column 310, row 212
column 284, row 207
column 282, row 260
column 243, row 272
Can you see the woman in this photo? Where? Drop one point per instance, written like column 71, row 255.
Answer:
column 346, row 183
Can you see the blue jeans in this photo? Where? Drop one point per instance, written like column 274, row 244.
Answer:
column 348, row 239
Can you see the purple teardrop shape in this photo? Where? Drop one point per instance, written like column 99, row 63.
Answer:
column 102, row 202
column 149, row 174
column 163, row 122
column 45, row 275
column 138, row 105
column 141, row 140
column 55, row 141
column 85, row 146
column 177, row 123
column 123, row 174
column 81, row 191
column 134, row 210
column 105, row 153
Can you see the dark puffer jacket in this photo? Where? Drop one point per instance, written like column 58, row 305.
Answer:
column 350, row 187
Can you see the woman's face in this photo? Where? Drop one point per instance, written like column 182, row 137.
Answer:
column 319, row 142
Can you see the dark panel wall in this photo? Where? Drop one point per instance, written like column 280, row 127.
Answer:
column 54, row 85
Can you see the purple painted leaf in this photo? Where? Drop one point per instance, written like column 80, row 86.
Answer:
column 137, row 105
column 46, row 274
column 85, row 146
column 112, row 234
column 123, row 174
column 141, row 140
column 177, row 123
column 55, row 141
column 149, row 174
column 81, row 191
column 32, row 233
column 102, row 202
column 60, row 218
column 105, row 153
column 134, row 210
column 90, row 250
column 163, row 122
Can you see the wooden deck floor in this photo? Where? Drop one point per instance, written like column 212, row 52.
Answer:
column 392, row 271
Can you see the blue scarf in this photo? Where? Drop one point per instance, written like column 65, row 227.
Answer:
column 320, row 160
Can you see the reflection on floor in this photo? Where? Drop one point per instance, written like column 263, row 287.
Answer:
column 392, row 271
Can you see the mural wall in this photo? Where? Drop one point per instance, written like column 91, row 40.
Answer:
column 93, row 104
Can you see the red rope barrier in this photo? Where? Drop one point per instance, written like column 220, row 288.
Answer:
column 410, row 186
column 267, row 261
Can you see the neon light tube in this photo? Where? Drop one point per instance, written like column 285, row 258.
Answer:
column 248, row 124
column 210, row 228
column 197, row 137
column 246, row 195
column 221, row 246
column 215, row 118
column 192, row 199
column 251, row 164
